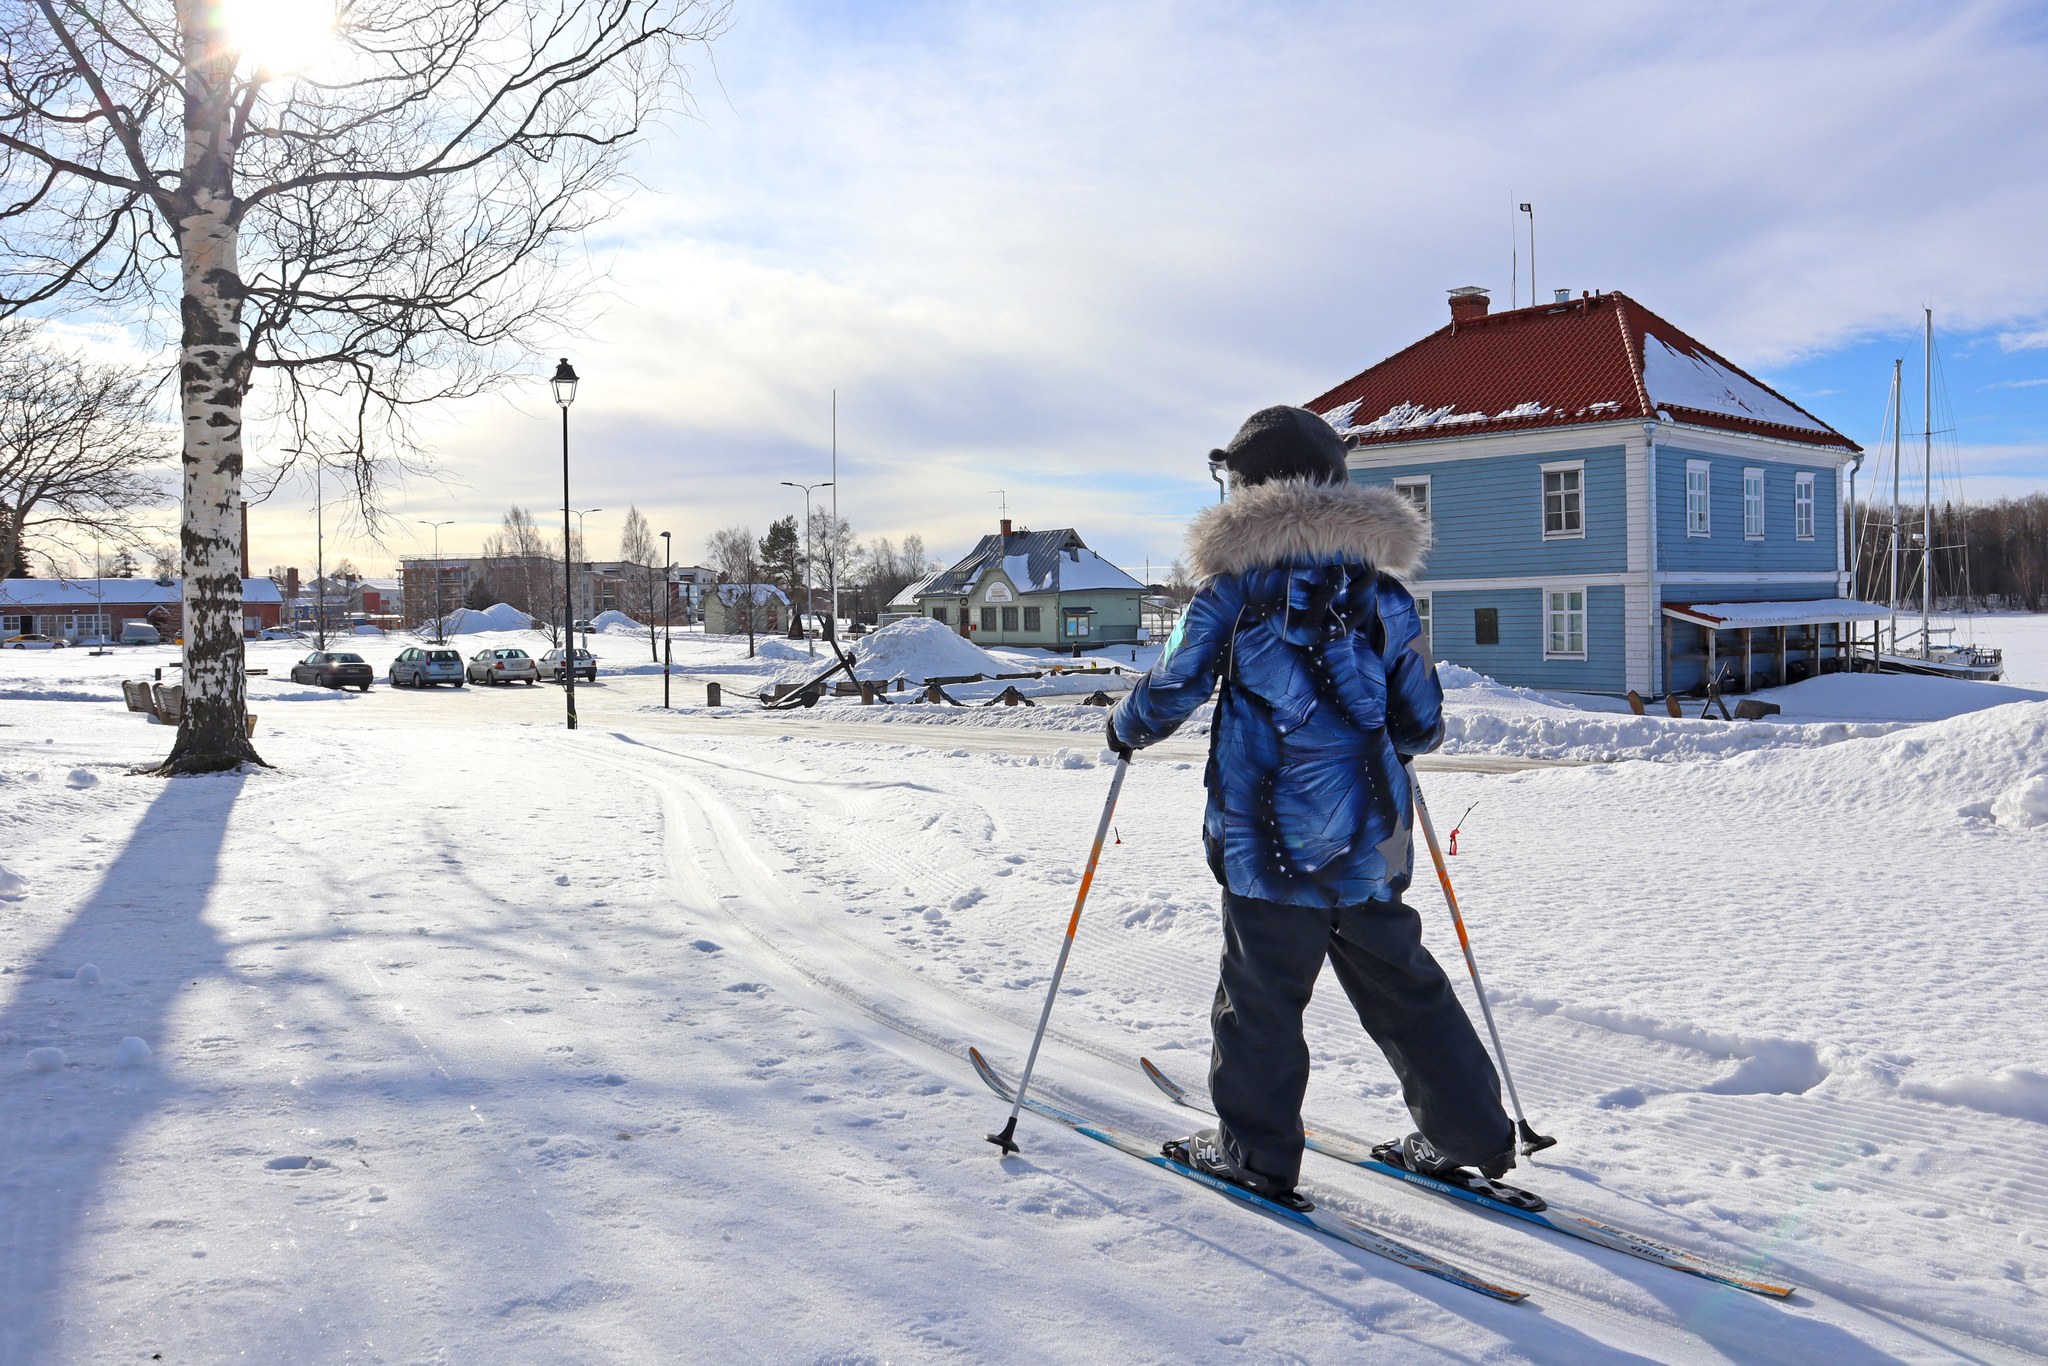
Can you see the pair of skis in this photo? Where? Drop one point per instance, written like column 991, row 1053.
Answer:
column 1348, row 1229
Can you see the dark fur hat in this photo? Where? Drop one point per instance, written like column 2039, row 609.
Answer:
column 1283, row 443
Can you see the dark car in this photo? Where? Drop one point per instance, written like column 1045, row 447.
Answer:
column 424, row 666
column 585, row 666
column 334, row 669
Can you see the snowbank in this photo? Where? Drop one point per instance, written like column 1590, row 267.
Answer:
column 1892, row 697
column 918, row 648
column 465, row 621
column 1482, row 716
column 614, row 621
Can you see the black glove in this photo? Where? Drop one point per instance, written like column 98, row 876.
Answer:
column 1117, row 747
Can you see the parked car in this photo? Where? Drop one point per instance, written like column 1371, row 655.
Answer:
column 424, row 666
column 140, row 633
column 502, row 666
column 29, row 640
column 334, row 669
column 585, row 666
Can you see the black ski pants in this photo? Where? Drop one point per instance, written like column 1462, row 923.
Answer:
column 1258, row 1073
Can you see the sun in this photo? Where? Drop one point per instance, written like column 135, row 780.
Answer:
column 280, row 35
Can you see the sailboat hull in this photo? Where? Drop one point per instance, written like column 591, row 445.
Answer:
column 1973, row 666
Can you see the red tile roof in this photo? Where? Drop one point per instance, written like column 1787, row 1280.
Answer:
column 1593, row 359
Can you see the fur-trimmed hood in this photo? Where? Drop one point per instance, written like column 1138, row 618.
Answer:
column 1290, row 520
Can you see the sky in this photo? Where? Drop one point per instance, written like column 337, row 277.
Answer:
column 1061, row 251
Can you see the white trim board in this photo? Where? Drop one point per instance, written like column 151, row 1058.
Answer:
column 1738, row 576
column 1537, row 581
column 1594, row 436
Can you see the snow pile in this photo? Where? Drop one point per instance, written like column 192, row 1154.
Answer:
column 1892, row 697
column 368, row 630
column 13, row 886
column 1482, row 716
column 2023, row 804
column 614, row 621
column 464, row 621
column 918, row 648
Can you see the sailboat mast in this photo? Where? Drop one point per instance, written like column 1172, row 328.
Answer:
column 1927, row 491
column 1898, row 421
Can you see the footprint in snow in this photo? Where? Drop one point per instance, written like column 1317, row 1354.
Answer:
column 706, row 946
column 966, row 899
column 298, row 1166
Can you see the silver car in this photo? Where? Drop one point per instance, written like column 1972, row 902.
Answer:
column 423, row 666
column 502, row 666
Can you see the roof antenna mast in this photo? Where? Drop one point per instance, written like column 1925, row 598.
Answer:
column 1005, row 505
column 1514, row 262
column 1530, row 209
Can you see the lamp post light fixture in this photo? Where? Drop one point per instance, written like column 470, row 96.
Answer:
column 440, row 582
column 564, row 385
column 809, row 644
column 668, row 592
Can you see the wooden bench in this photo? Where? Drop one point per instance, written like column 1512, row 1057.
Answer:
column 135, row 693
column 170, row 703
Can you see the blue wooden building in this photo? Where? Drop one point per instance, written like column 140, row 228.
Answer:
column 1615, row 506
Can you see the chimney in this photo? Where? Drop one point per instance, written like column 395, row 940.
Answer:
column 291, row 582
column 1006, row 527
column 1468, row 302
column 1560, row 296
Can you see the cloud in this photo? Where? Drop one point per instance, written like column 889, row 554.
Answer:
column 2023, row 341
column 1063, row 252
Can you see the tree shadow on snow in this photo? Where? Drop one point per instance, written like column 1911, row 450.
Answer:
column 63, row 1132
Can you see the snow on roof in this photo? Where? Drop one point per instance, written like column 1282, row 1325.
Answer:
column 74, row 593
column 730, row 593
column 1035, row 562
column 1602, row 358
column 1695, row 379
column 1734, row 616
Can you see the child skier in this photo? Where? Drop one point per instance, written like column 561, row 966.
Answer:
column 1325, row 694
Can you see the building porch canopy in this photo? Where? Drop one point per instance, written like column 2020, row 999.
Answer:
column 1759, row 616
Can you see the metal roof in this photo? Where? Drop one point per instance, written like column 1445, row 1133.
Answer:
column 1035, row 562
column 1740, row 616
column 1598, row 358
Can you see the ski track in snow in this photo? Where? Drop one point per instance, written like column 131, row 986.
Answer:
column 465, row 1040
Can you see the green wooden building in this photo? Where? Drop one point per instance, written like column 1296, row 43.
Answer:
column 1044, row 588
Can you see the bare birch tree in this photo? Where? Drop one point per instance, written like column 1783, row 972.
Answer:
column 371, row 230
column 77, row 446
column 525, row 571
column 735, row 559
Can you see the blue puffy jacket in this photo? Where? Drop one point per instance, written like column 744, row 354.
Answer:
column 1325, row 689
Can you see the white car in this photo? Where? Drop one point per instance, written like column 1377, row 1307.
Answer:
column 502, row 666
column 31, row 641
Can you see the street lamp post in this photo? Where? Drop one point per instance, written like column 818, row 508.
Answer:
column 440, row 580
column 668, row 592
column 564, row 385
column 809, row 644
column 581, row 513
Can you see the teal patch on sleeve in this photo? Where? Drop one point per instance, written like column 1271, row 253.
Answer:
column 1173, row 642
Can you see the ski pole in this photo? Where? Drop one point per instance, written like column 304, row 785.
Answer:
column 1006, row 1140
column 1531, row 1140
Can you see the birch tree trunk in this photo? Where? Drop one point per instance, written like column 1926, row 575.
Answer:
column 214, row 368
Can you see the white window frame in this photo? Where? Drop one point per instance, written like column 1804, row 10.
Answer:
column 1803, row 494
column 1585, row 620
column 1424, row 611
column 1408, row 485
column 1549, row 468
column 1753, row 478
column 1703, row 525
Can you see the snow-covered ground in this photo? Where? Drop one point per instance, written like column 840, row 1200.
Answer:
column 460, row 1036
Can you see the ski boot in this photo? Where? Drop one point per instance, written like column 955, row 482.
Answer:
column 1204, row 1152
column 1414, row 1154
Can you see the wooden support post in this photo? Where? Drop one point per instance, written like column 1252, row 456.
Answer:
column 1713, row 665
column 1748, row 661
column 1784, row 665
